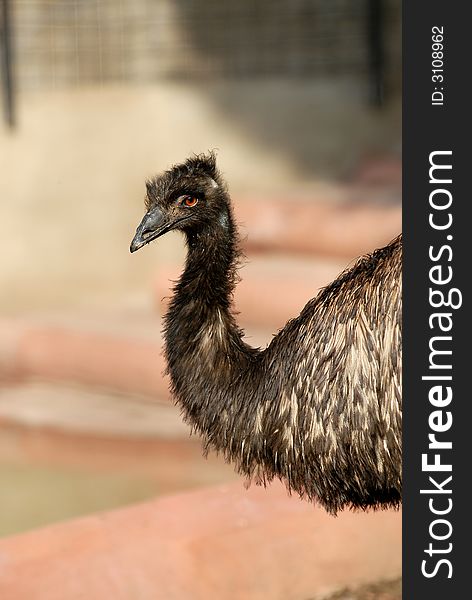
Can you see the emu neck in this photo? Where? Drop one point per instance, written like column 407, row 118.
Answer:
column 202, row 339
column 210, row 267
column 203, row 345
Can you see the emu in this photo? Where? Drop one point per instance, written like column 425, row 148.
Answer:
column 320, row 406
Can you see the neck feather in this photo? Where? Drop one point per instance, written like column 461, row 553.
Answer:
column 203, row 345
column 210, row 270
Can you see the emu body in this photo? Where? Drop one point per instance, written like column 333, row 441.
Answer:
column 320, row 407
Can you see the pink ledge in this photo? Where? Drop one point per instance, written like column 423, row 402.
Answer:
column 221, row 543
column 346, row 229
column 88, row 357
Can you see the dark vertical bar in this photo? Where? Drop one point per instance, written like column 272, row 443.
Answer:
column 437, row 404
column 7, row 69
column 375, row 36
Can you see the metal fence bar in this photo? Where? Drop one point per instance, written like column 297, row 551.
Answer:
column 375, row 16
column 7, row 69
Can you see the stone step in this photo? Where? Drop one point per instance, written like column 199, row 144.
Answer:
column 224, row 542
column 79, row 410
column 63, row 352
column 346, row 226
column 66, row 452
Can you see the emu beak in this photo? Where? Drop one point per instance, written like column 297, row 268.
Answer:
column 154, row 224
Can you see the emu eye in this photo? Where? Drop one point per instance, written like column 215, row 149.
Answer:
column 189, row 201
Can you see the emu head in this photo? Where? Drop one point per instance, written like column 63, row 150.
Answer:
column 190, row 197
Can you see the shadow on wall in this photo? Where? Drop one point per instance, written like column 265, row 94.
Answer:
column 296, row 76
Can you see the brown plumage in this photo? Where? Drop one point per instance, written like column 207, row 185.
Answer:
column 320, row 407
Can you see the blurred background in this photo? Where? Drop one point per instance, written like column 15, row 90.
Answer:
column 301, row 99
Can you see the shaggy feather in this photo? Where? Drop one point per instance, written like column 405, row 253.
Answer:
column 320, row 407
